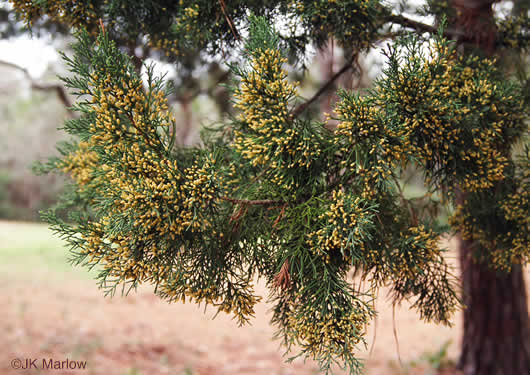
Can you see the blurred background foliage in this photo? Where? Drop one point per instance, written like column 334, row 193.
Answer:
column 27, row 133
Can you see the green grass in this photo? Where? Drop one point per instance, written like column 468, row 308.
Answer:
column 30, row 251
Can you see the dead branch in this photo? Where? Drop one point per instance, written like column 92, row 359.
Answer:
column 58, row 88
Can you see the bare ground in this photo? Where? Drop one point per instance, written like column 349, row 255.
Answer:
column 140, row 334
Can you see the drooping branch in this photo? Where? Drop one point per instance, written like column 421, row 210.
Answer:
column 59, row 89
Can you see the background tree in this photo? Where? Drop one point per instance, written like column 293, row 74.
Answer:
column 275, row 193
column 496, row 337
column 34, row 96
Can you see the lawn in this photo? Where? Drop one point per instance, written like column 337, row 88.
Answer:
column 28, row 249
column 54, row 310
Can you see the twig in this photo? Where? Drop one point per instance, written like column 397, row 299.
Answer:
column 283, row 279
column 102, row 26
column 302, row 107
column 395, row 334
column 144, row 135
column 237, row 215
column 258, row 202
column 280, row 216
column 230, row 23
column 407, row 22
column 375, row 326
column 59, row 89
column 406, row 201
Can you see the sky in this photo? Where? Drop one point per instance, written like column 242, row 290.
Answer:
column 32, row 54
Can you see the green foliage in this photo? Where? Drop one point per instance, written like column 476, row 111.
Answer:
column 515, row 32
column 440, row 9
column 459, row 114
column 436, row 361
column 276, row 196
column 497, row 218
column 352, row 23
column 132, row 183
column 6, row 211
column 262, row 37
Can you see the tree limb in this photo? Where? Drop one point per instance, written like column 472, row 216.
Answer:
column 207, row 91
column 423, row 27
column 302, row 107
column 229, row 20
column 449, row 33
column 58, row 88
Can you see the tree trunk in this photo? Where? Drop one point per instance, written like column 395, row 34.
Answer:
column 496, row 336
column 496, row 332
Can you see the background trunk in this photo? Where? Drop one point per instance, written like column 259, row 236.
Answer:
column 496, row 337
column 496, row 332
